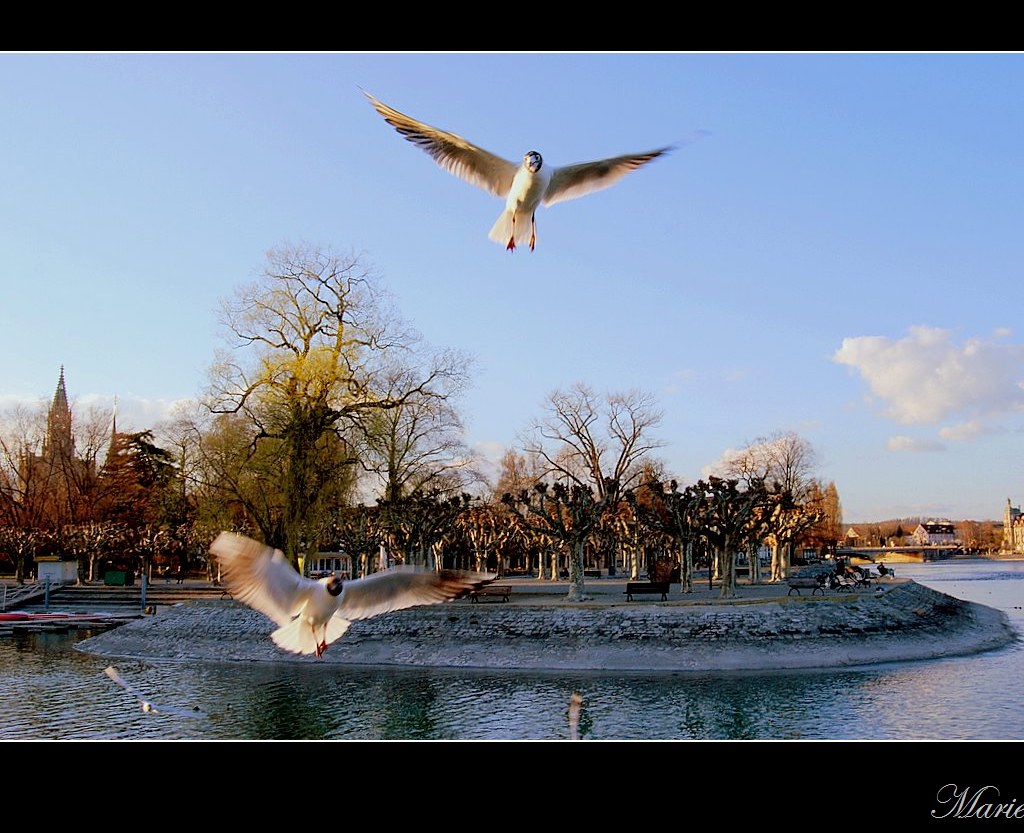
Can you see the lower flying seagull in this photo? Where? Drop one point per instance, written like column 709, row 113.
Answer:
column 311, row 614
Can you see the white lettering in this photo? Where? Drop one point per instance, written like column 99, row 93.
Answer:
column 962, row 804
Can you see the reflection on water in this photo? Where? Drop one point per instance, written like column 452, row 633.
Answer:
column 51, row 691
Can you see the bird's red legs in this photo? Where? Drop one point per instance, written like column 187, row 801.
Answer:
column 511, row 247
column 533, row 231
column 320, row 648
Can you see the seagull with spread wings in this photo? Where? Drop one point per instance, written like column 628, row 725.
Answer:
column 313, row 613
column 524, row 186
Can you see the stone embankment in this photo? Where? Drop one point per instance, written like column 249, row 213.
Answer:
column 762, row 629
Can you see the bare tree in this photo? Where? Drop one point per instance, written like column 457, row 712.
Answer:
column 596, row 443
column 48, row 465
column 784, row 462
column 784, row 458
column 417, row 446
column 517, row 471
column 593, row 449
column 567, row 514
column 826, row 534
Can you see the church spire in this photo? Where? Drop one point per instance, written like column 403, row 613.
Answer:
column 113, row 432
column 60, row 397
column 58, row 422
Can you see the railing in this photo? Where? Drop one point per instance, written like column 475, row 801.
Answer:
column 13, row 593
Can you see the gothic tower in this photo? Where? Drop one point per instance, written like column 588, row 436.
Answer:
column 59, row 443
column 1012, row 530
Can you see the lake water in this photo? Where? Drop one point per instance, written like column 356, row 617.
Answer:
column 53, row 692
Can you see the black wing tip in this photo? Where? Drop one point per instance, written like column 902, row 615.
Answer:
column 461, row 583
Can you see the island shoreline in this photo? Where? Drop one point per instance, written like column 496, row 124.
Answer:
column 762, row 629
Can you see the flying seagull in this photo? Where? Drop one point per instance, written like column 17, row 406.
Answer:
column 523, row 186
column 311, row 614
column 149, row 705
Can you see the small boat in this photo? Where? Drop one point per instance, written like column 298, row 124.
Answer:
column 21, row 616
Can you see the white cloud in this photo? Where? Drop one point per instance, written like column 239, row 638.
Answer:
column 902, row 443
column 133, row 413
column 490, row 449
column 678, row 379
column 926, row 378
column 965, row 430
column 721, row 466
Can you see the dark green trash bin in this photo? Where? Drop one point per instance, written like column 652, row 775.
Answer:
column 114, row 578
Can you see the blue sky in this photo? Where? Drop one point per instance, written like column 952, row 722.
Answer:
column 834, row 248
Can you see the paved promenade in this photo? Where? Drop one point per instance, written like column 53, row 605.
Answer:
column 761, row 628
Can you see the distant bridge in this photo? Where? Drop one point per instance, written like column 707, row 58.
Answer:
column 932, row 552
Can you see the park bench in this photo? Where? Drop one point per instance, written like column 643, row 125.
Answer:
column 638, row 587
column 592, row 574
column 861, row 577
column 812, row 583
column 496, row 591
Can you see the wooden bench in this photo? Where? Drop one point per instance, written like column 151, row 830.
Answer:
column 638, row 587
column 591, row 574
column 797, row 583
column 502, row 591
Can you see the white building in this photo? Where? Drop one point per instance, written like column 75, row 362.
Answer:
column 931, row 533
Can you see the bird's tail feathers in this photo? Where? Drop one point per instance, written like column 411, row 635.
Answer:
column 297, row 637
column 336, row 627
column 501, row 231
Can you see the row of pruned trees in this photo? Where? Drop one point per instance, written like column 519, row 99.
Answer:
column 323, row 396
column 96, row 546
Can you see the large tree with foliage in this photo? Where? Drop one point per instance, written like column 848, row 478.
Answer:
column 137, row 483
column 312, row 346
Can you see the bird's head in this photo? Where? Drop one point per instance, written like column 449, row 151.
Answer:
column 333, row 585
column 532, row 161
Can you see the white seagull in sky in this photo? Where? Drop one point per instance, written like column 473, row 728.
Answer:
column 523, row 186
column 311, row 614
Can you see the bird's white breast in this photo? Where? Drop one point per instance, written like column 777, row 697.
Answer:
column 527, row 189
column 321, row 606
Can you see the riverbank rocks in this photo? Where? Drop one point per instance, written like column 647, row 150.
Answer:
column 906, row 622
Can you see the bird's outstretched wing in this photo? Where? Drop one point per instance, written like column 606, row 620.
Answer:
column 261, row 577
column 571, row 181
column 149, row 705
column 402, row 587
column 453, row 153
